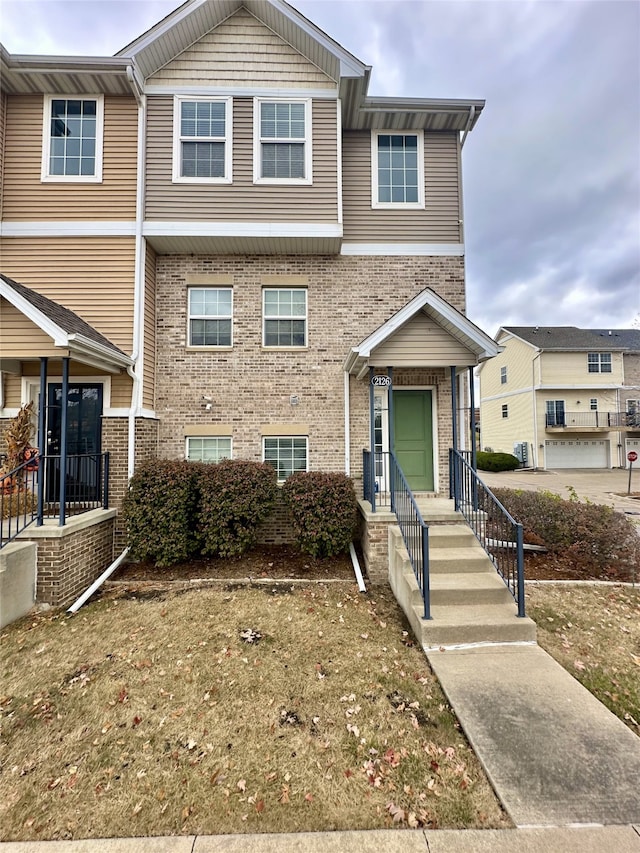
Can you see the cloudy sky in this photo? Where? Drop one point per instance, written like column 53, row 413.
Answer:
column 552, row 170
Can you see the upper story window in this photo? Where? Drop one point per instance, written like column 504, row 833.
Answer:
column 284, row 317
column 72, row 139
column 397, row 169
column 282, row 141
column 210, row 316
column 593, row 404
column 505, row 410
column 202, row 140
column 503, row 375
column 599, row 362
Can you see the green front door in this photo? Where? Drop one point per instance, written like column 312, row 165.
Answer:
column 413, row 437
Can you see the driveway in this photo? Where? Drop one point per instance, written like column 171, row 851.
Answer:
column 607, row 487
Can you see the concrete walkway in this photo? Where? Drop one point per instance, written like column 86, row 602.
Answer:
column 554, row 754
column 621, row 839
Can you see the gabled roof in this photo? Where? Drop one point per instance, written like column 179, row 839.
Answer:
column 125, row 73
column 65, row 328
column 629, row 339
column 564, row 338
column 428, row 301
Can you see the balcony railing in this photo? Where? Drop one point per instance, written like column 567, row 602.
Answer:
column 31, row 492
column 593, row 420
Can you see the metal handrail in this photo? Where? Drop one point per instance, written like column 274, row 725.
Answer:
column 31, row 491
column 415, row 531
column 592, row 420
column 496, row 529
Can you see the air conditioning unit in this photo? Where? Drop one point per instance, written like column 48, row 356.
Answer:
column 521, row 452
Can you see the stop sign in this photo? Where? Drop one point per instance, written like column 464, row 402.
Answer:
column 632, row 456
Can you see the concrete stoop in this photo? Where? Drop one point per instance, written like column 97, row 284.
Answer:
column 470, row 603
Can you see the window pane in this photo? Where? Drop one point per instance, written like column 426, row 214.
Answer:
column 398, row 169
column 208, row 449
column 286, row 455
column 73, row 137
column 203, row 159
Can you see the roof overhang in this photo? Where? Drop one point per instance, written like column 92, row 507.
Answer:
column 443, row 313
column 67, row 75
column 74, row 345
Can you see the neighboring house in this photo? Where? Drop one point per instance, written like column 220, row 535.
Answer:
column 565, row 397
column 216, row 238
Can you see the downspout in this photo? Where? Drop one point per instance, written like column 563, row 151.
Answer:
column 536, row 459
column 472, row 113
column 347, row 436
column 134, row 369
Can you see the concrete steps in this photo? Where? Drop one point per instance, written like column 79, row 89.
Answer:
column 470, row 602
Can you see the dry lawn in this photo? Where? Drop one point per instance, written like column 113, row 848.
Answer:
column 594, row 632
column 229, row 709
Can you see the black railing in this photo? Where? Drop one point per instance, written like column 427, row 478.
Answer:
column 592, row 420
column 376, row 482
column 498, row 532
column 31, row 492
column 414, row 530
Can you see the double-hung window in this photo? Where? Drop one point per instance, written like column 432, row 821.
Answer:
column 208, row 448
column 72, row 136
column 397, row 169
column 282, row 141
column 202, row 140
column 287, row 454
column 503, row 375
column 210, row 317
column 505, row 410
column 284, row 317
column 599, row 362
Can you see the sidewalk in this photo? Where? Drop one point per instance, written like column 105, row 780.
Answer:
column 554, row 754
column 621, row 839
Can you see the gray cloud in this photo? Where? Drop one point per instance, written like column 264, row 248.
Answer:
column 552, row 170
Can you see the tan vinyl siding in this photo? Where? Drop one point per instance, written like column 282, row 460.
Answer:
column 20, row 338
column 437, row 223
column 570, row 368
column 3, row 124
column 518, row 359
column 421, row 343
column 242, row 52
column 241, row 201
column 149, row 369
column 26, row 198
column 92, row 276
column 500, row 434
column 121, row 391
column 12, row 390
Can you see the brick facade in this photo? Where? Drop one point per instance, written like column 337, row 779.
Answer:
column 348, row 298
column 70, row 558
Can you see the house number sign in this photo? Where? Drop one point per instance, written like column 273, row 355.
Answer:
column 380, row 381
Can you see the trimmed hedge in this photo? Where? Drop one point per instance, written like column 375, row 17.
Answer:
column 176, row 510
column 496, row 461
column 599, row 539
column 159, row 512
column 235, row 496
column 324, row 509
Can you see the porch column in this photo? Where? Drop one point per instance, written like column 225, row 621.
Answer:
column 64, row 411
column 391, row 467
column 42, row 438
column 372, row 439
column 472, row 394
column 454, row 412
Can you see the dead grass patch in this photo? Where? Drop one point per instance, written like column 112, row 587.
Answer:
column 230, row 710
column 594, row 633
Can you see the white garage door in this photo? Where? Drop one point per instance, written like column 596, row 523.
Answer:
column 632, row 444
column 577, row 454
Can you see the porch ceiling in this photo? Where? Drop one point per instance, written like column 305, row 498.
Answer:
column 474, row 341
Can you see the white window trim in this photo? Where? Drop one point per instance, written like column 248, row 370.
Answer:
column 207, row 317
column 599, row 363
column 503, row 375
column 46, row 140
column 396, row 205
column 189, row 438
column 266, row 438
column 305, row 318
column 307, row 141
column 505, row 411
column 227, row 178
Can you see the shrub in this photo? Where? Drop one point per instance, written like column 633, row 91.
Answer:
column 496, row 461
column 324, row 508
column 159, row 512
column 235, row 495
column 596, row 537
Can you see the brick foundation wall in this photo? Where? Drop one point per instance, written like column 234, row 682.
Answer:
column 348, row 298
column 70, row 558
column 374, row 541
column 277, row 529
